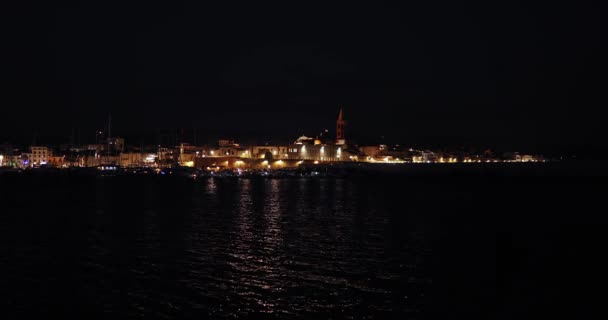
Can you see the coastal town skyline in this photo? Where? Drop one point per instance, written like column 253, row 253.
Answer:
column 182, row 149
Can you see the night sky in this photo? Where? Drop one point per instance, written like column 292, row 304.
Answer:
column 501, row 74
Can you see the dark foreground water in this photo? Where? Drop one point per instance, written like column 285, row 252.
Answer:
column 360, row 247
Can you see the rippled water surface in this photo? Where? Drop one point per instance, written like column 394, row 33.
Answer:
column 139, row 247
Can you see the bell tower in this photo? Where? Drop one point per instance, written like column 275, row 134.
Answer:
column 340, row 124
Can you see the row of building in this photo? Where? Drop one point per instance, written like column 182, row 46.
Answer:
column 230, row 154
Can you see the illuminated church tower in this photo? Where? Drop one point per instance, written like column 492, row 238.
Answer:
column 340, row 134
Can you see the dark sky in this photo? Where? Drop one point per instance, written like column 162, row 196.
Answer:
column 510, row 74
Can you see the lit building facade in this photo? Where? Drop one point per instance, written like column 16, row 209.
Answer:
column 56, row 161
column 265, row 152
column 317, row 152
column 39, row 155
column 134, row 159
column 371, row 151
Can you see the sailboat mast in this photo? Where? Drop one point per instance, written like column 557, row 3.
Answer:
column 109, row 136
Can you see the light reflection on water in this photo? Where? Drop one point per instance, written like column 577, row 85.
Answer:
column 241, row 247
